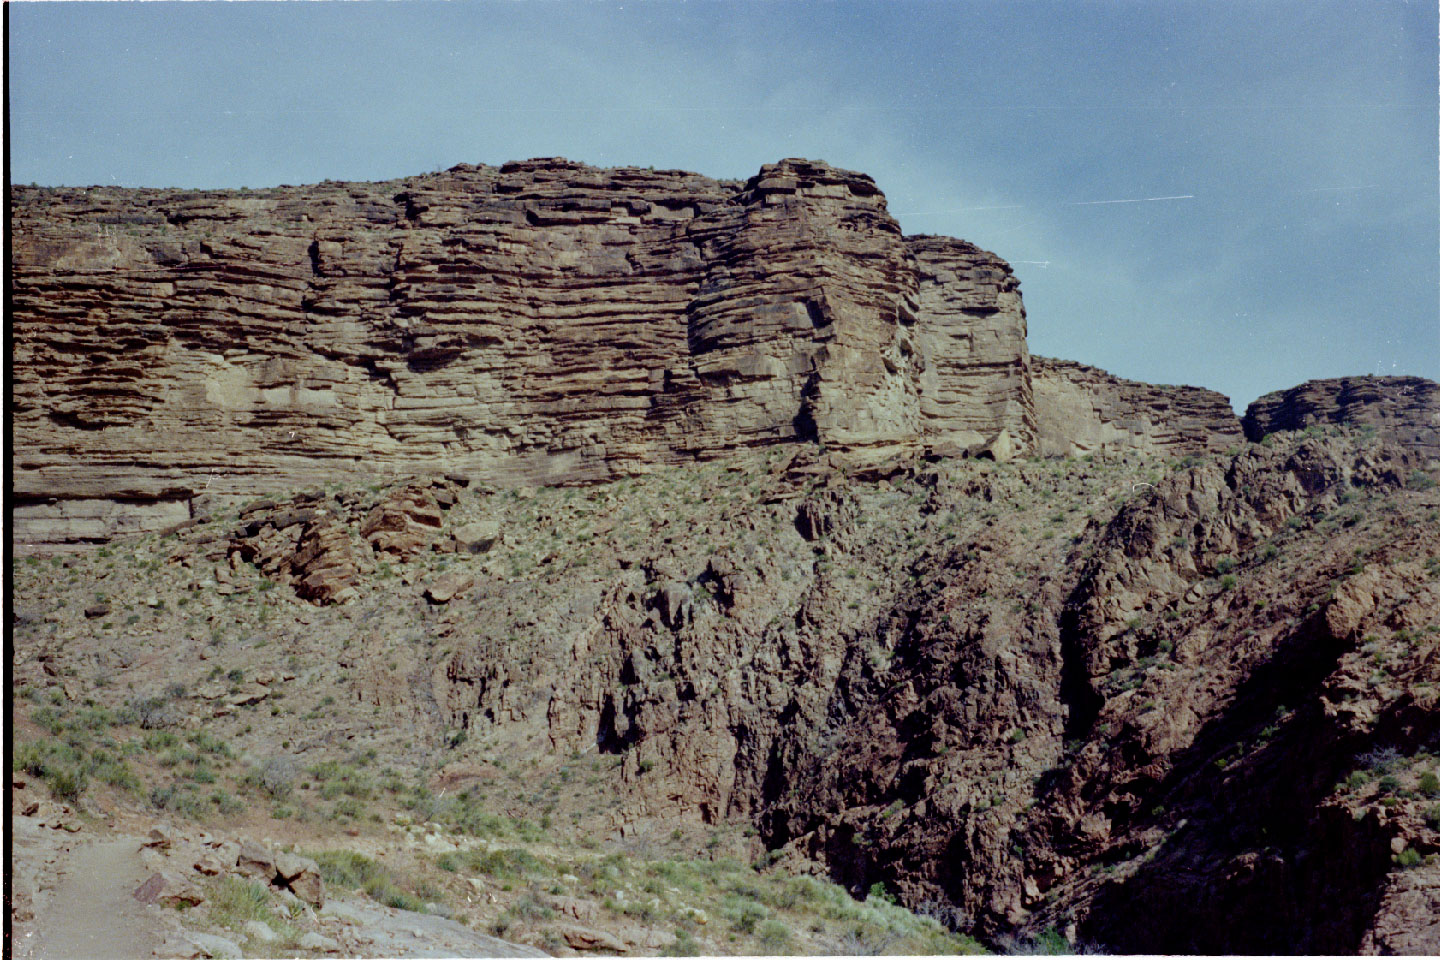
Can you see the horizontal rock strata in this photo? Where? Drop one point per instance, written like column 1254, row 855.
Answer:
column 537, row 322
column 1082, row 410
column 1403, row 409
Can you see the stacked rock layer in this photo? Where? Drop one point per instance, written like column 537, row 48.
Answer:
column 540, row 322
column 1405, row 409
column 1080, row 410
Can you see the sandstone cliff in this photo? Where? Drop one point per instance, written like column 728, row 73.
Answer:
column 1081, row 410
column 1404, row 409
column 541, row 321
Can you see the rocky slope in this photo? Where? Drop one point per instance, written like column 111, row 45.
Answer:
column 1405, row 409
column 1115, row 699
column 542, row 321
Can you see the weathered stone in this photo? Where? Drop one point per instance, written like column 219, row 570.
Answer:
column 301, row 876
column 220, row 948
column 1403, row 409
column 170, row 890
column 259, row 930
column 316, row 941
column 589, row 938
column 476, row 537
column 589, row 323
column 253, row 860
column 1081, row 410
column 449, row 586
column 403, row 523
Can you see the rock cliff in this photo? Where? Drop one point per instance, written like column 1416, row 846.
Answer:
column 1404, row 409
column 1081, row 410
column 537, row 322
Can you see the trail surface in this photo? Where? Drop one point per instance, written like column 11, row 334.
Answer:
column 90, row 912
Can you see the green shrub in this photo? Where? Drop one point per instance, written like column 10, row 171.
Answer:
column 1408, row 858
column 1429, row 783
column 505, row 864
column 746, row 916
column 1227, row 582
column 774, row 935
column 346, row 868
column 206, row 742
column 233, row 901
column 684, row 946
column 180, row 798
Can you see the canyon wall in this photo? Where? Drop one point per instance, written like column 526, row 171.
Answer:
column 1403, row 409
column 1081, row 410
column 540, row 322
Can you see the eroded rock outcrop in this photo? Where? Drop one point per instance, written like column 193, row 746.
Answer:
column 542, row 321
column 1082, row 410
column 1403, row 409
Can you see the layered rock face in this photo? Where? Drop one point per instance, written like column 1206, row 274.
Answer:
column 1082, row 410
column 537, row 322
column 1404, row 409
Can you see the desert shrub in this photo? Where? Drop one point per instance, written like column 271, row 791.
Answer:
column 350, row 807
column 774, row 935
column 276, row 776
column 1408, row 858
column 1429, row 783
column 206, row 742
column 1224, row 565
column 744, row 915
column 66, row 769
column 233, row 901
column 1227, row 582
column 1381, row 760
column 346, row 868
column 180, row 798
column 226, row 804
column 505, row 864
column 151, row 713
column 529, row 908
column 340, row 778
column 684, row 946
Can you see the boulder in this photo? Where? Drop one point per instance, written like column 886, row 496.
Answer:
column 169, row 890
column 449, row 586
column 301, row 876
column 476, row 537
column 216, row 947
column 315, row 941
column 253, row 860
column 588, row 938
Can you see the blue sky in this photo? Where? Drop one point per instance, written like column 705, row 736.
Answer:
column 1298, row 138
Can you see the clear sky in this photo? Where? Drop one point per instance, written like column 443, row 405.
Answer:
column 1297, row 140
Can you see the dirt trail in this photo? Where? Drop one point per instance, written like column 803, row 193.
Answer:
column 91, row 912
